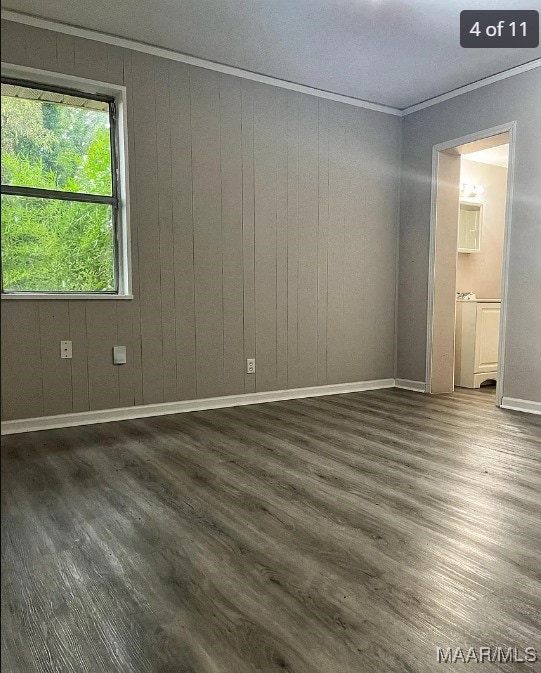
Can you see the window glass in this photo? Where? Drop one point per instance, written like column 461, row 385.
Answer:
column 49, row 245
column 59, row 202
column 64, row 146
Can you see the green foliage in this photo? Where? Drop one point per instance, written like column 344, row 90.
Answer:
column 48, row 244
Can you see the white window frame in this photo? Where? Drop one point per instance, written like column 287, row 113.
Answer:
column 118, row 92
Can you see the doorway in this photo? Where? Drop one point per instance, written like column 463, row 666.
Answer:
column 472, row 180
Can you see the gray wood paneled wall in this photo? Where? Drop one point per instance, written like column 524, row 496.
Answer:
column 264, row 224
column 516, row 98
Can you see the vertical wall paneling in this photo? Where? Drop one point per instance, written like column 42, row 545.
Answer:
column 115, row 64
column 56, row 372
column 41, row 47
column 79, row 362
column 292, row 238
column 101, row 336
column 369, row 258
column 381, row 232
column 323, row 236
column 165, row 224
column 101, row 317
column 265, row 235
column 263, row 224
column 65, row 53
column 126, row 372
column 22, row 388
column 248, row 218
column 205, row 104
column 132, row 311
column 91, row 59
column 335, row 268
column 124, row 310
column 515, row 98
column 150, row 292
column 308, row 240
column 281, row 239
column 13, row 43
column 183, row 251
column 357, row 283
column 231, row 195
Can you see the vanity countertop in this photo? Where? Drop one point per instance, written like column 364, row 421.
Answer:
column 482, row 301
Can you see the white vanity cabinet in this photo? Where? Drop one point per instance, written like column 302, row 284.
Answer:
column 477, row 334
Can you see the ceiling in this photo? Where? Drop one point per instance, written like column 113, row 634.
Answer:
column 392, row 52
column 496, row 156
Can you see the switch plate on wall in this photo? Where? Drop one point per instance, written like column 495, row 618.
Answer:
column 119, row 355
column 250, row 366
column 65, row 350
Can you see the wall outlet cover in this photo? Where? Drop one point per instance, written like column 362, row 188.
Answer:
column 119, row 355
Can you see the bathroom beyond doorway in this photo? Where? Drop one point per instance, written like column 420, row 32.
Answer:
column 471, row 205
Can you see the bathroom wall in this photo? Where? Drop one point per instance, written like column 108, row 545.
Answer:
column 481, row 272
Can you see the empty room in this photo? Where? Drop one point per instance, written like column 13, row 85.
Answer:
column 271, row 336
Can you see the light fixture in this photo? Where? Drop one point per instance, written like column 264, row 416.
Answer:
column 468, row 191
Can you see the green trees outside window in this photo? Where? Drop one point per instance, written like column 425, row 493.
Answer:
column 53, row 242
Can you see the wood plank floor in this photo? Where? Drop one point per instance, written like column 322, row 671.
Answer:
column 353, row 533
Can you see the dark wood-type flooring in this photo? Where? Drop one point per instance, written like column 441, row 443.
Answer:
column 352, row 533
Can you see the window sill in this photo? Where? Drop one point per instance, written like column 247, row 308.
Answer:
column 74, row 295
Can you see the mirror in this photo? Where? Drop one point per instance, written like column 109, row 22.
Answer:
column 469, row 226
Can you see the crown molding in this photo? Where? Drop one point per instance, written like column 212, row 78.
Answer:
column 67, row 29
column 519, row 69
column 134, row 45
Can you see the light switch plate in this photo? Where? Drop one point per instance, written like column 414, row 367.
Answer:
column 119, row 355
column 66, row 350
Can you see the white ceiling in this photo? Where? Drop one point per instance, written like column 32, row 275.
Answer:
column 392, row 52
column 496, row 156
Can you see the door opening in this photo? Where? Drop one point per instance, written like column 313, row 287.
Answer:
column 469, row 240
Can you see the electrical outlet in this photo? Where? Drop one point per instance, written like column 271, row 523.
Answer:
column 119, row 355
column 65, row 350
column 250, row 366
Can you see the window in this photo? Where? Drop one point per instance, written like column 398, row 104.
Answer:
column 61, row 227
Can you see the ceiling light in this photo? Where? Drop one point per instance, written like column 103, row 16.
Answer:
column 468, row 191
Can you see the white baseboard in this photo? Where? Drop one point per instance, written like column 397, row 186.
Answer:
column 146, row 410
column 528, row 406
column 406, row 384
